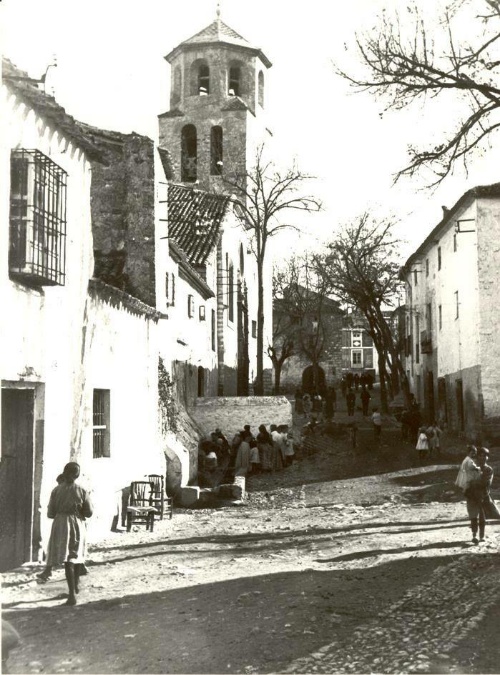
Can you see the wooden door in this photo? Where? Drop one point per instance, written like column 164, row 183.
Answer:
column 16, row 477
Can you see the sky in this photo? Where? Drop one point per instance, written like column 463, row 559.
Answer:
column 111, row 73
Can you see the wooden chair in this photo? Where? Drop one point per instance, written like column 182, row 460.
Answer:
column 158, row 497
column 140, row 510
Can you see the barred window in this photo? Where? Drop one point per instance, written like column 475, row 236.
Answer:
column 100, row 423
column 37, row 251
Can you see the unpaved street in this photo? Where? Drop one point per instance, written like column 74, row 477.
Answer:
column 324, row 569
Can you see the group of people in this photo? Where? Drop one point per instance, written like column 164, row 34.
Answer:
column 317, row 404
column 428, row 443
column 248, row 453
column 350, row 380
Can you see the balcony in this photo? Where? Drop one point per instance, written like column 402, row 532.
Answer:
column 426, row 342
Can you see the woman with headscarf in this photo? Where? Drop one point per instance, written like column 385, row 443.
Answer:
column 69, row 506
column 266, row 449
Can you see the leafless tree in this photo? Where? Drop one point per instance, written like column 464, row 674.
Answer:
column 405, row 61
column 361, row 268
column 301, row 306
column 268, row 194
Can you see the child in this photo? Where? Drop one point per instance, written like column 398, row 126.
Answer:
column 422, row 443
column 469, row 470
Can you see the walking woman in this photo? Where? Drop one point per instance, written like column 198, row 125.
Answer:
column 69, row 506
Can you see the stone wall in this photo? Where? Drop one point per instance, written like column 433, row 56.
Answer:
column 231, row 414
column 123, row 213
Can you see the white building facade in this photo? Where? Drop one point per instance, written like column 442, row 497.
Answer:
column 452, row 351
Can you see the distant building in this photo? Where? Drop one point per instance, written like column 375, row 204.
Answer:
column 358, row 352
column 452, row 318
column 317, row 337
column 214, row 347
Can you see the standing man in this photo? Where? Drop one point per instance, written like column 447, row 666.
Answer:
column 478, row 495
column 351, row 402
column 365, row 400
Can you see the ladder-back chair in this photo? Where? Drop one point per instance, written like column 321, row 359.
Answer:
column 158, row 498
column 140, row 510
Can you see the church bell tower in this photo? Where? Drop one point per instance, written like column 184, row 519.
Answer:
column 217, row 118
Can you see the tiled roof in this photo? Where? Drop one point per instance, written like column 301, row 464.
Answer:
column 217, row 31
column 194, row 220
column 235, row 103
column 25, row 88
column 477, row 192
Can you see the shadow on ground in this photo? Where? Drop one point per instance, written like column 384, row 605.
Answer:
column 261, row 622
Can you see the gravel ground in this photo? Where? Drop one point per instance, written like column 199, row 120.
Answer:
column 348, row 561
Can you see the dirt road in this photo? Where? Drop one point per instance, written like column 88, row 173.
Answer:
column 324, row 569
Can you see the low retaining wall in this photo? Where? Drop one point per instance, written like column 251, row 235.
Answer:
column 231, row 414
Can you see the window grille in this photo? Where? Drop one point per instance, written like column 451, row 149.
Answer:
column 37, row 252
column 100, row 423
column 190, row 306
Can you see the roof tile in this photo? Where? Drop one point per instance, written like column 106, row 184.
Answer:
column 195, row 219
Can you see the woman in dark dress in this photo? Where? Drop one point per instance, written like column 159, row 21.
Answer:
column 69, row 506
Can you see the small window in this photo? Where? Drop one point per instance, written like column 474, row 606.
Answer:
column 201, row 312
column 254, row 329
column 190, row 306
column 357, row 358
column 167, row 284
column 234, row 84
column 455, row 243
column 261, row 89
column 37, row 251
column 440, row 313
column 417, row 339
column 172, row 291
column 457, row 306
column 203, row 80
column 214, row 343
column 415, row 278
column 439, row 257
column 100, row 423
column 216, row 148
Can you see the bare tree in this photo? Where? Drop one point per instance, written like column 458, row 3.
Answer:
column 302, row 309
column 267, row 194
column 407, row 62
column 361, row 268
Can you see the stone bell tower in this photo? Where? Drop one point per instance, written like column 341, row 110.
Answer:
column 216, row 120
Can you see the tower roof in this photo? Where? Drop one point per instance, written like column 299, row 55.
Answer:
column 218, row 32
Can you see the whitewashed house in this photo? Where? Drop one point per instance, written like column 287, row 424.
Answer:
column 78, row 358
column 452, row 318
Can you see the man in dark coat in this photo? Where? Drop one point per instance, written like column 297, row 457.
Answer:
column 351, row 402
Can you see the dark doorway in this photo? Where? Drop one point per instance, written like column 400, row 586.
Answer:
column 429, row 397
column 16, row 477
column 459, row 390
column 313, row 379
column 243, row 361
column 442, row 405
column 201, row 382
